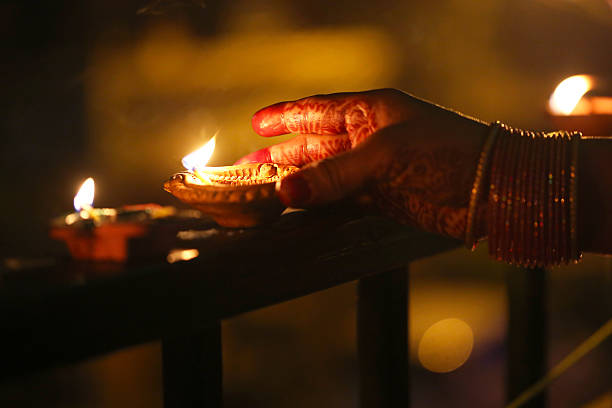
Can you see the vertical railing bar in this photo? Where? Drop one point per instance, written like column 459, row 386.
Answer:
column 527, row 332
column 382, row 337
column 192, row 369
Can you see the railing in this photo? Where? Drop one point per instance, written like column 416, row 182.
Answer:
column 72, row 311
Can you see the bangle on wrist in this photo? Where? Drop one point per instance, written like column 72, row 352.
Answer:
column 476, row 192
column 532, row 197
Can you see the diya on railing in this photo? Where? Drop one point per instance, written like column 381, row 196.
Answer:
column 118, row 234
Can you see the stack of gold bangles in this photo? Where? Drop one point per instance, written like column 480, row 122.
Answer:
column 532, row 196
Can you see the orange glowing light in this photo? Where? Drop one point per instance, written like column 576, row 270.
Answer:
column 83, row 200
column 568, row 94
column 177, row 255
column 199, row 158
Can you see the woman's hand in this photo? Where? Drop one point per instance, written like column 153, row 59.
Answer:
column 415, row 159
column 327, row 124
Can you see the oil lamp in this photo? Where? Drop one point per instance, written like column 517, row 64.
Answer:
column 94, row 233
column 235, row 196
column 584, row 103
column 109, row 234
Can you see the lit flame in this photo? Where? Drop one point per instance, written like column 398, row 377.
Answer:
column 84, row 198
column 199, row 158
column 568, row 93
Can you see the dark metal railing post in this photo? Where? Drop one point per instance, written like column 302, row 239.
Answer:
column 527, row 332
column 382, row 339
column 192, row 369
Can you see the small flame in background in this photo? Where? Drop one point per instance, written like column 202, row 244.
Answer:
column 85, row 197
column 199, row 158
column 568, row 93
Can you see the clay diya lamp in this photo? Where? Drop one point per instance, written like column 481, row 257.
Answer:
column 234, row 196
column 105, row 242
column 107, row 234
column 583, row 103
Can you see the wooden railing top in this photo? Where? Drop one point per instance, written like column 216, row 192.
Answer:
column 71, row 311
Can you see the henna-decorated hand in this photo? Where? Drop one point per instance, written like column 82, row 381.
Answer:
column 417, row 160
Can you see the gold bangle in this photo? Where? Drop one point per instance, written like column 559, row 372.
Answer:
column 476, row 192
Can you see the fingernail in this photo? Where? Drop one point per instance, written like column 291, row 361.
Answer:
column 260, row 156
column 257, row 120
column 268, row 121
column 294, row 191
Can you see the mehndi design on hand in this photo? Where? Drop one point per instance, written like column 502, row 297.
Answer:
column 372, row 141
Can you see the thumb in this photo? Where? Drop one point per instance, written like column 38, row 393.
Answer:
column 329, row 179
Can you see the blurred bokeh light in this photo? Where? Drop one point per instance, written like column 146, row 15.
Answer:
column 446, row 345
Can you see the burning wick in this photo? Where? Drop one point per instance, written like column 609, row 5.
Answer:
column 568, row 94
column 197, row 160
column 83, row 201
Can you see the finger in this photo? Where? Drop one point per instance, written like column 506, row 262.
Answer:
column 300, row 150
column 320, row 114
column 329, row 179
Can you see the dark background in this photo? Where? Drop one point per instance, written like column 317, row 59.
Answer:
column 121, row 90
